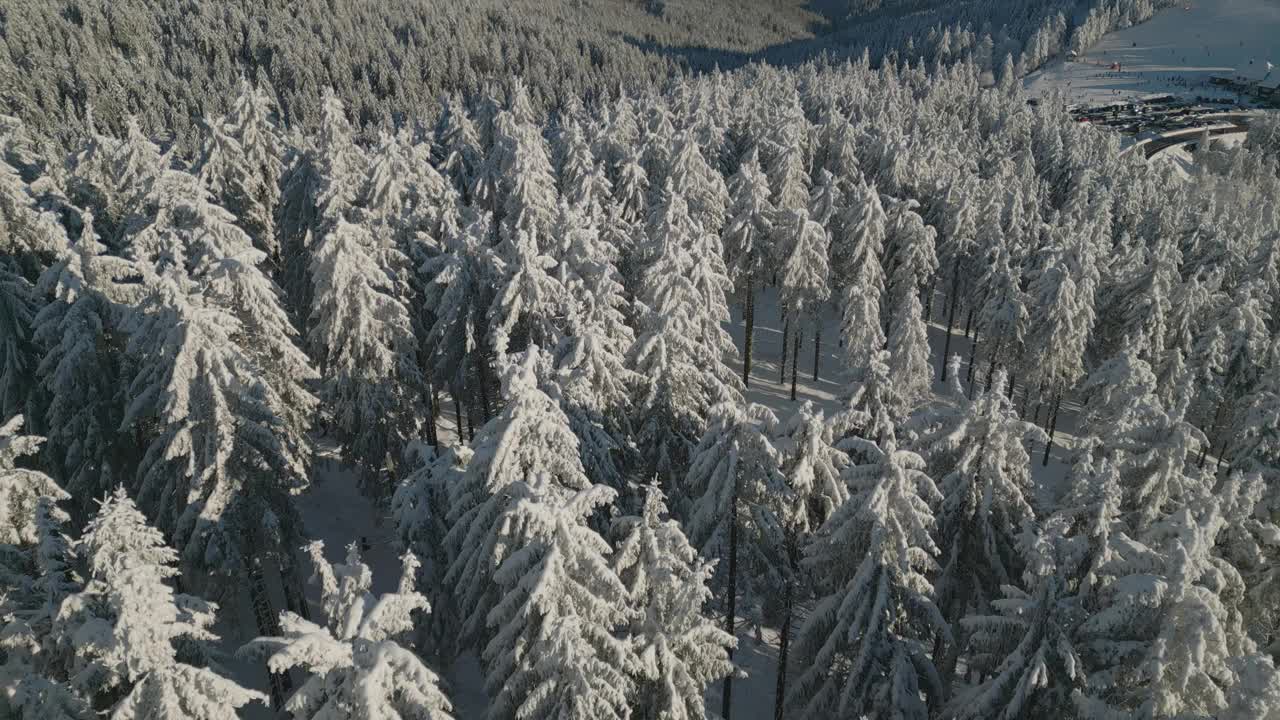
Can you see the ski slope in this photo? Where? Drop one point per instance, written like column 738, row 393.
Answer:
column 1175, row 52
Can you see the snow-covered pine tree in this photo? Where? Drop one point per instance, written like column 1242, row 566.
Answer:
column 28, row 237
column 803, row 282
column 372, row 382
column 864, row 648
column 357, row 666
column 748, row 244
column 122, row 632
column 530, row 304
column 21, row 488
column 631, row 189
column 736, row 490
column 681, row 650
column 1002, row 317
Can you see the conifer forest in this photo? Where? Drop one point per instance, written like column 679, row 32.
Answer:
column 625, row 360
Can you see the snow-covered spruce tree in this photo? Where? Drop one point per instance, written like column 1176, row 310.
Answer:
column 736, row 488
column 540, row 599
column 129, row 637
column 357, row 667
column 977, row 449
column 184, row 229
column 682, row 348
column 803, row 282
column 1164, row 637
column 631, row 189
column 1059, row 329
column 457, row 295
column 583, row 181
column 111, row 177
column 910, row 256
column 79, row 329
column 680, row 649
column 594, row 383
column 811, row 466
column 28, row 237
column 341, row 166
column 241, row 165
column 530, row 304
column 373, row 385
column 528, row 443
column 856, row 267
column 1002, row 317
column 34, row 557
column 1024, row 648
column 908, row 344
column 702, row 186
column 748, row 244
column 420, row 516
column 218, row 467
column 864, row 649
column 457, row 145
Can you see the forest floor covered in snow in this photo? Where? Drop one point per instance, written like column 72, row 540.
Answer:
column 336, row 511
column 1175, row 52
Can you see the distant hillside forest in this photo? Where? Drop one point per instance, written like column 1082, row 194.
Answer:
column 81, row 65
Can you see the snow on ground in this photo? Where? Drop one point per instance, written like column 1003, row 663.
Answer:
column 334, row 510
column 1176, row 51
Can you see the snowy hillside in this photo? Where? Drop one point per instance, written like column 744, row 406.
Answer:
column 1176, row 52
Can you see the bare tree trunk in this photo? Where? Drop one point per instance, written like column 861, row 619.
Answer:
column 1053, row 426
column 433, row 436
column 784, row 635
column 968, row 324
column 749, row 317
column 786, row 337
column 482, row 375
column 991, row 364
column 795, row 362
column 973, row 357
column 951, row 319
column 817, row 346
column 457, row 412
column 928, row 304
column 726, row 702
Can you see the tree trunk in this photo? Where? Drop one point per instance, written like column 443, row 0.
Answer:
column 1009, row 392
column 265, row 619
column 482, row 374
column 795, row 363
column 1053, row 426
column 784, row 636
column 749, row 317
column 786, row 338
column 968, row 324
column 433, row 436
column 457, row 413
column 991, row 364
column 973, row 357
column 817, row 347
column 726, row 702
column 951, row 320
column 928, row 304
